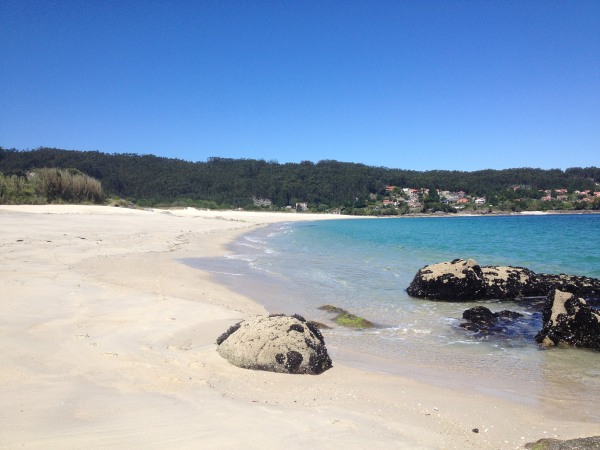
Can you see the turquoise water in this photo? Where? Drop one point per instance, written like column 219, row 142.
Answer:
column 364, row 266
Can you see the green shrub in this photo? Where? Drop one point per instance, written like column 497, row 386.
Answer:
column 50, row 186
column 70, row 186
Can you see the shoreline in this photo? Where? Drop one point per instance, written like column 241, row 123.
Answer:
column 485, row 214
column 484, row 369
column 108, row 340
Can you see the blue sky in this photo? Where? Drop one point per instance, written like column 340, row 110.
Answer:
column 457, row 85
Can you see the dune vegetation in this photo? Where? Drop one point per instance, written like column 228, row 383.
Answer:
column 41, row 186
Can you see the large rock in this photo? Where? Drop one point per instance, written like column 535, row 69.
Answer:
column 461, row 280
column 511, row 282
column 457, row 280
column 587, row 443
column 569, row 320
column 277, row 343
column 585, row 287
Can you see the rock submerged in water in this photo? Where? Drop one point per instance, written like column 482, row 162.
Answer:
column 569, row 320
column 277, row 343
column 346, row 319
column 482, row 320
column 461, row 280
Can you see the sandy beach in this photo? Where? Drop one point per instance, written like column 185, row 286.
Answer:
column 107, row 341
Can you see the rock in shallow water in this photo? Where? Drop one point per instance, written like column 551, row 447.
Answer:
column 569, row 320
column 480, row 319
column 461, row 280
column 277, row 343
column 457, row 280
column 346, row 319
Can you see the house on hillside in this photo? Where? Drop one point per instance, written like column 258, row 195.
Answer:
column 450, row 197
column 264, row 202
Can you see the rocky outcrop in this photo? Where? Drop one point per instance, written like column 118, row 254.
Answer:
column 569, row 320
column 277, row 343
column 511, row 282
column 457, row 280
column 588, row 288
column 587, row 443
column 461, row 280
column 482, row 320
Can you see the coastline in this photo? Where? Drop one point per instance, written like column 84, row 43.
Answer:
column 107, row 340
column 490, row 214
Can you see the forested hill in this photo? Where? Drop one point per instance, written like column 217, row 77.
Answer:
column 151, row 179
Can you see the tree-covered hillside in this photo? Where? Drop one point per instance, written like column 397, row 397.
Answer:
column 150, row 179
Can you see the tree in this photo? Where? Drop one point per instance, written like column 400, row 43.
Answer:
column 223, row 181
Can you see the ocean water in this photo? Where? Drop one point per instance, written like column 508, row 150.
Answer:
column 365, row 266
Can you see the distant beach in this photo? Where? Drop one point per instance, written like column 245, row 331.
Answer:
column 108, row 340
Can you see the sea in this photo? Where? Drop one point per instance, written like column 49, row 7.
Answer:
column 364, row 266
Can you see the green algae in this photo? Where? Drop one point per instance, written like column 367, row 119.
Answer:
column 346, row 319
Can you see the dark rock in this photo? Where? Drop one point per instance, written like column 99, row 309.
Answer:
column 479, row 314
column 587, row 443
column 506, row 314
column 232, row 329
column 457, row 280
column 511, row 282
column 331, row 309
column 461, row 280
column 482, row 320
column 294, row 359
column 569, row 320
column 587, row 288
column 314, row 328
column 277, row 343
column 319, row 325
column 296, row 327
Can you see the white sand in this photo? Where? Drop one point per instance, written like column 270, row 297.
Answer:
column 107, row 341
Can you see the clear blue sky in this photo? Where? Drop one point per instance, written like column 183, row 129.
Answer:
column 417, row 85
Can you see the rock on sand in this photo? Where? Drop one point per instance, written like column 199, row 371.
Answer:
column 277, row 343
